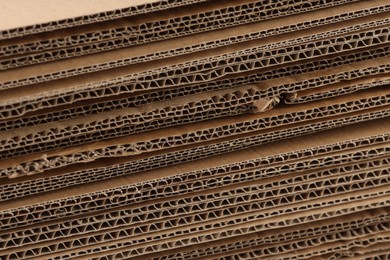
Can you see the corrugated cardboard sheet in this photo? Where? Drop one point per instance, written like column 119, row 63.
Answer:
column 195, row 129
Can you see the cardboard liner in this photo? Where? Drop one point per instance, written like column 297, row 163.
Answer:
column 84, row 108
column 278, row 87
column 324, row 227
column 79, row 133
column 160, row 188
column 170, row 138
column 111, row 12
column 230, row 227
column 178, row 111
column 273, row 146
column 285, row 248
column 157, row 30
column 376, row 252
column 173, row 244
column 374, row 241
column 134, row 165
column 13, row 105
column 119, row 168
column 378, row 234
column 325, row 182
column 310, row 244
column 189, row 44
column 337, row 89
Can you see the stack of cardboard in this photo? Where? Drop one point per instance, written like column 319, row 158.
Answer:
column 195, row 129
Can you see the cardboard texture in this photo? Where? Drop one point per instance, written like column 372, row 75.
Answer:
column 70, row 91
column 195, row 129
column 149, row 28
column 173, row 47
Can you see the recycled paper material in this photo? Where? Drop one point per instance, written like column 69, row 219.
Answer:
column 195, row 129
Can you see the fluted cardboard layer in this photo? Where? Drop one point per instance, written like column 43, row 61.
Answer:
column 178, row 111
column 376, row 252
column 261, row 124
column 162, row 183
column 338, row 246
column 154, row 77
column 188, row 44
column 154, row 27
column 196, row 209
column 265, row 140
column 43, row 15
column 324, row 227
column 95, row 106
column 338, row 89
column 103, row 169
column 312, row 246
column 239, row 222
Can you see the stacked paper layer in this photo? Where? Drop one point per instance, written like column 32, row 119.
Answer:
column 195, row 129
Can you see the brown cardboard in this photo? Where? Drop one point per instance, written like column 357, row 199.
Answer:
column 341, row 248
column 368, row 230
column 250, row 194
column 133, row 190
column 354, row 201
column 102, row 61
column 175, row 17
column 67, row 91
column 259, row 124
column 87, row 107
column 329, row 226
column 339, row 73
column 372, row 252
column 87, row 173
column 48, row 18
column 316, row 245
column 156, row 26
column 338, row 89
column 192, row 108
column 228, row 130
column 135, row 164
